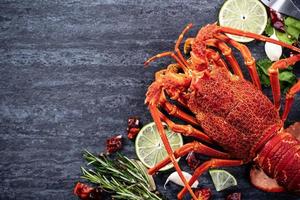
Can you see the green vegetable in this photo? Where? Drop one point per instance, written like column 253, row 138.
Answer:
column 284, row 37
column 125, row 178
column 262, row 69
column 286, row 77
column 269, row 30
column 294, row 32
column 264, row 65
column 290, row 21
column 291, row 27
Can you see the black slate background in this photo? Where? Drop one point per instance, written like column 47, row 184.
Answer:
column 71, row 73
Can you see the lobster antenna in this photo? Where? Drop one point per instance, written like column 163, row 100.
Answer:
column 165, row 54
column 178, row 42
column 258, row 37
column 176, row 55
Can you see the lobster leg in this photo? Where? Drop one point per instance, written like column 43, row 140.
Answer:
column 187, row 148
column 176, row 112
column 217, row 58
column 289, row 99
column 274, row 77
column 186, row 130
column 154, row 112
column 249, row 60
column 173, row 83
column 207, row 165
column 227, row 52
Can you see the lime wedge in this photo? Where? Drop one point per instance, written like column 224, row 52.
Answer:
column 150, row 148
column 222, row 179
column 246, row 15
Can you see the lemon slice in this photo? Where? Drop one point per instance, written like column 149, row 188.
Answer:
column 150, row 148
column 246, row 15
column 222, row 179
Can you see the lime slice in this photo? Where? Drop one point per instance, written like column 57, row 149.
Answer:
column 222, row 179
column 150, row 148
column 246, row 15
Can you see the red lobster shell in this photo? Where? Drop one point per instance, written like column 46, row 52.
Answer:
column 232, row 112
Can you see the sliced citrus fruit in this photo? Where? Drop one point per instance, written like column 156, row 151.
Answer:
column 246, row 15
column 150, row 148
column 222, row 179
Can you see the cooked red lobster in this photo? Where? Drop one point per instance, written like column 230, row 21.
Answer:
column 231, row 111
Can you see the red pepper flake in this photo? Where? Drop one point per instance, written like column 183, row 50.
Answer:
column 85, row 192
column 203, row 193
column 82, row 191
column 277, row 20
column 192, row 160
column 113, row 144
column 234, row 196
column 132, row 133
column 133, row 127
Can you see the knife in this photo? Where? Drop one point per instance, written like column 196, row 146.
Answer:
column 286, row 7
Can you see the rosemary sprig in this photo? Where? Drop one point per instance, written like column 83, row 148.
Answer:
column 124, row 177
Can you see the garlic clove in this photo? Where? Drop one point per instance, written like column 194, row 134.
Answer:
column 273, row 51
column 175, row 178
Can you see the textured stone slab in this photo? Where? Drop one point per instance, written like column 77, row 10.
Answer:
column 71, row 72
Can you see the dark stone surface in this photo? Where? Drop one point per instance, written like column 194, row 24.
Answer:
column 71, row 74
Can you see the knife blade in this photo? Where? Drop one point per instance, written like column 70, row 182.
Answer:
column 286, row 7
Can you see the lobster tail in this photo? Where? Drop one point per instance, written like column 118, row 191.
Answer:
column 280, row 159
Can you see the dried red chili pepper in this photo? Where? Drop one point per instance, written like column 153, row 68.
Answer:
column 132, row 133
column 203, row 193
column 192, row 160
column 85, row 192
column 82, row 191
column 234, row 196
column 277, row 20
column 133, row 127
column 134, row 122
column 113, row 144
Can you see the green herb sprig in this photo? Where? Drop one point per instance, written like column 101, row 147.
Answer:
column 125, row 178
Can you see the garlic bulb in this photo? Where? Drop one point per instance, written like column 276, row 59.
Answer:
column 174, row 177
column 273, row 51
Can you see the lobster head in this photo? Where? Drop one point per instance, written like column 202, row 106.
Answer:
column 199, row 53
